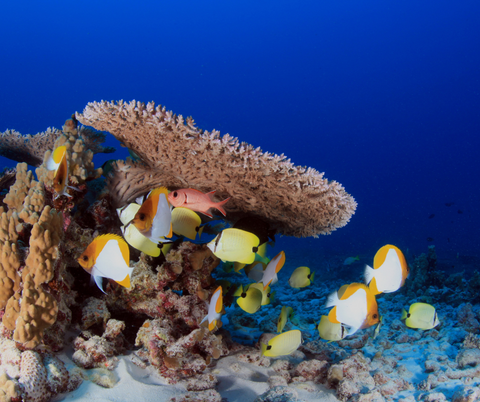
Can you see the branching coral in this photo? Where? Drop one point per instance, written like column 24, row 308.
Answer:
column 30, row 316
column 296, row 200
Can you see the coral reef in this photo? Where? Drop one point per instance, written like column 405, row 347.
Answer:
column 296, row 200
column 32, row 148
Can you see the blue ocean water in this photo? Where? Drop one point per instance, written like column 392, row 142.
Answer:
column 383, row 97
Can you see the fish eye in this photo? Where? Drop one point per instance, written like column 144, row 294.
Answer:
column 85, row 258
column 375, row 316
column 175, row 194
column 142, row 217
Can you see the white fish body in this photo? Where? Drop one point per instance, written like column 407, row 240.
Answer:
column 351, row 311
column 272, row 268
column 388, row 276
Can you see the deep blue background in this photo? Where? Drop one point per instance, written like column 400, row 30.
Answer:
column 383, row 96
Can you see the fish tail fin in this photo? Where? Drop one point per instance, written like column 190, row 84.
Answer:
column 357, row 258
column 404, row 314
column 218, row 205
column 332, row 300
column 369, row 274
column 312, row 277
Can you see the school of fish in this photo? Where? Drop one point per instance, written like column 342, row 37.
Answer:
column 151, row 223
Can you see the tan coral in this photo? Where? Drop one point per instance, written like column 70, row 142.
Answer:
column 19, row 190
column 33, row 203
column 30, row 315
column 9, row 389
column 10, row 226
column 9, row 276
column 79, row 157
column 296, row 200
column 44, row 242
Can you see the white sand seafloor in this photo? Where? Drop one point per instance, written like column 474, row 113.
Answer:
column 134, row 383
column 400, row 364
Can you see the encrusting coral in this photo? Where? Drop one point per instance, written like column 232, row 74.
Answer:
column 295, row 200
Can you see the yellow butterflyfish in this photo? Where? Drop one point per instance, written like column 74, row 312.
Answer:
column 283, row 344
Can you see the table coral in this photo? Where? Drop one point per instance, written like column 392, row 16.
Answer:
column 296, row 200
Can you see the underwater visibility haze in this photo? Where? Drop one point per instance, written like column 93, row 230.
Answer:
column 170, row 272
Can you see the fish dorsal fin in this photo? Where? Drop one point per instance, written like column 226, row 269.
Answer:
column 351, row 289
column 102, row 240
column 157, row 191
column 58, row 153
column 280, row 262
column 56, row 157
column 219, row 302
column 342, row 290
column 381, row 255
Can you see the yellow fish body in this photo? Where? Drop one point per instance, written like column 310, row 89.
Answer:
column 266, row 294
column 107, row 256
column 132, row 234
column 235, row 245
column 389, row 272
column 353, row 305
column 283, row 344
column 154, row 218
column 186, row 222
column 331, row 331
column 301, row 277
column 421, row 316
column 250, row 300
column 283, row 317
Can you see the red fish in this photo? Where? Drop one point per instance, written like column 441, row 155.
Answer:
column 196, row 201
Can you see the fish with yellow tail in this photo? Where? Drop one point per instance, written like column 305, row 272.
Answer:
column 107, row 256
column 250, row 300
column 272, row 269
column 389, row 272
column 196, row 201
column 154, row 218
column 283, row 344
column 301, row 277
column 132, row 235
column 285, row 314
column 421, row 316
column 186, row 222
column 235, row 245
column 331, row 331
column 215, row 309
column 353, row 305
